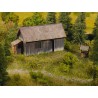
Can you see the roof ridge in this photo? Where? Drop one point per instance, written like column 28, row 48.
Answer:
column 41, row 25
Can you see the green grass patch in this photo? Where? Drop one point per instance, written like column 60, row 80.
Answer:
column 55, row 68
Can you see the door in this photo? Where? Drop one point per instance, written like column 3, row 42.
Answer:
column 52, row 44
column 20, row 48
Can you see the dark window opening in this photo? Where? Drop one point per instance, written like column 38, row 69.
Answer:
column 37, row 44
column 52, row 44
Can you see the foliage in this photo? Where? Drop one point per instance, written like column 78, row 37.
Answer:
column 64, row 68
column 52, row 67
column 65, row 19
column 27, row 21
column 70, row 46
column 16, row 77
column 94, row 54
column 10, row 16
column 40, row 78
column 7, row 35
column 67, row 45
column 36, row 19
column 6, row 48
column 95, row 29
column 51, row 18
column 90, row 68
column 79, row 29
column 95, row 49
column 3, row 65
column 70, row 59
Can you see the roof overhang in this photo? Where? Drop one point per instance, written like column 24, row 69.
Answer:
column 84, row 48
column 17, row 41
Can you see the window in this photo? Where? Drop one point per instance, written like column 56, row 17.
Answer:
column 37, row 44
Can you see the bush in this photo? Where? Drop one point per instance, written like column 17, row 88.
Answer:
column 45, row 81
column 36, row 75
column 40, row 78
column 69, row 46
column 64, row 68
column 33, row 65
column 9, row 59
column 70, row 59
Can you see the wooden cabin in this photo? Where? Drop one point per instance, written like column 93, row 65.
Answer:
column 38, row 39
column 84, row 50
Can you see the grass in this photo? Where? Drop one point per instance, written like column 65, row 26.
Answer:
column 49, row 65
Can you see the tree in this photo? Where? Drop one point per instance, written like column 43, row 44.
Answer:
column 28, row 21
column 51, row 18
column 7, row 35
column 4, row 15
column 94, row 55
column 95, row 48
column 3, row 65
column 65, row 19
column 36, row 19
column 10, row 16
column 95, row 29
column 79, row 28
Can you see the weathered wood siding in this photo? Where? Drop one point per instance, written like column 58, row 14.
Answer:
column 46, row 46
column 58, row 44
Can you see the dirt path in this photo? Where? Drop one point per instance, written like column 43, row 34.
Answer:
column 64, row 78
column 45, row 73
column 18, row 71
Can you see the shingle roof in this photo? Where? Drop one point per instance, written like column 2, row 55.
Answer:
column 84, row 48
column 45, row 32
column 16, row 42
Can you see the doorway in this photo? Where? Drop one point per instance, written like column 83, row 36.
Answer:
column 52, row 44
column 20, row 48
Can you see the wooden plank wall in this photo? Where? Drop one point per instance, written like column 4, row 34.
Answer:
column 59, row 44
column 46, row 46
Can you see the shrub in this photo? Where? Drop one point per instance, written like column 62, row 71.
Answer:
column 45, row 81
column 33, row 65
column 64, row 68
column 40, row 78
column 70, row 59
column 36, row 75
column 69, row 46
column 9, row 59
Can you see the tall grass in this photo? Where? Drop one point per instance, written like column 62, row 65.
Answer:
column 54, row 69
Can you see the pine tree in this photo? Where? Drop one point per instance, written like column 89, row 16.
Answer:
column 3, row 65
column 95, row 48
column 36, row 19
column 51, row 18
column 27, row 21
column 94, row 54
column 65, row 19
column 10, row 16
column 95, row 29
column 79, row 28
